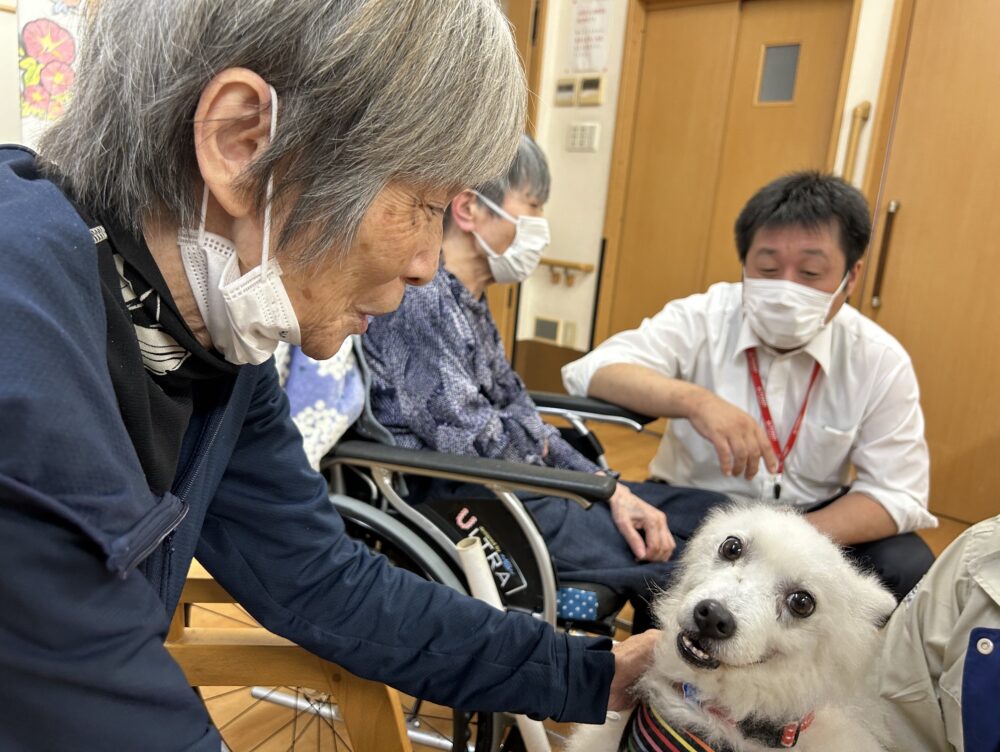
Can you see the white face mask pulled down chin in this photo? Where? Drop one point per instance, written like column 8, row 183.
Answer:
column 521, row 258
column 785, row 314
column 246, row 316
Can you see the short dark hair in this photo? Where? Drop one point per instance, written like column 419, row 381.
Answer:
column 808, row 199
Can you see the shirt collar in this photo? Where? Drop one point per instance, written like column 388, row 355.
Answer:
column 820, row 347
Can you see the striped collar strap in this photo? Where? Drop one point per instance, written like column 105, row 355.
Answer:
column 648, row 731
column 761, row 730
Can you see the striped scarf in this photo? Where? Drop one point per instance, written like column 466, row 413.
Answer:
column 648, row 731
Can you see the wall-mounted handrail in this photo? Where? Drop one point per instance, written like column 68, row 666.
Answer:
column 559, row 270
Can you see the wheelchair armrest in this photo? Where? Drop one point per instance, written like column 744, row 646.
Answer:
column 589, row 408
column 513, row 475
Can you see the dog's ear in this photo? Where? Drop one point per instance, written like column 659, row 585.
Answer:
column 875, row 602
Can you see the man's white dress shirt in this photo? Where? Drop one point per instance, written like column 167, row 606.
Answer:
column 864, row 410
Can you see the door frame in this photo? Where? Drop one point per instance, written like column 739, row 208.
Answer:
column 883, row 125
column 614, row 217
column 528, row 18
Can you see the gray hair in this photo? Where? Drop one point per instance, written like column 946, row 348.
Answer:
column 527, row 174
column 425, row 92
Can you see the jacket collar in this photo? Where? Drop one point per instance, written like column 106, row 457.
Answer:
column 984, row 557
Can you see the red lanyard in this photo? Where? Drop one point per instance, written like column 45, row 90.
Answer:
column 765, row 414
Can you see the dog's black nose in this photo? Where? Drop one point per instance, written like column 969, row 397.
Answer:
column 714, row 620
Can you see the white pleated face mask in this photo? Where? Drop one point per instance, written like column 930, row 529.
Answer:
column 521, row 258
column 246, row 316
column 785, row 314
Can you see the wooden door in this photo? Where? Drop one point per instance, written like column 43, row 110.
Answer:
column 765, row 139
column 695, row 140
column 941, row 276
column 677, row 121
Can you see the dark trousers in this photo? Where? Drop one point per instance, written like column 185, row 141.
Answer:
column 586, row 546
column 899, row 560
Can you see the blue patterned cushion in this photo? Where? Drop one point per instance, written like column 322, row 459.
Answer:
column 325, row 397
column 575, row 604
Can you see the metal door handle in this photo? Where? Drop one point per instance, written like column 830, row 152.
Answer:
column 883, row 256
column 858, row 119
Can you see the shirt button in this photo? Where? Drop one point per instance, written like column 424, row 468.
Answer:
column 985, row 646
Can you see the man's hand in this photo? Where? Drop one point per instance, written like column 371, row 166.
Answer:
column 739, row 440
column 631, row 514
column 632, row 658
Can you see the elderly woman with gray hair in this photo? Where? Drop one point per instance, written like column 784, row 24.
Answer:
column 230, row 176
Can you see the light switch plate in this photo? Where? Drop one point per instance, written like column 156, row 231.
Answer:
column 583, row 137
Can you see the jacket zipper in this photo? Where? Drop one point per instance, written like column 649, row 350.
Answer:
column 139, row 556
column 202, row 459
column 182, row 513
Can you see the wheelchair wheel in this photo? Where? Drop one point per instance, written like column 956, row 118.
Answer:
column 481, row 732
column 265, row 719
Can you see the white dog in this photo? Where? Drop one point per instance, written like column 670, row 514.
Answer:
column 768, row 634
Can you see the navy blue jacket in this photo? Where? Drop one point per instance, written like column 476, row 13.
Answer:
column 93, row 563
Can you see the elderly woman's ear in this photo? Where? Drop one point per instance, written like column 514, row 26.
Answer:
column 465, row 211
column 232, row 126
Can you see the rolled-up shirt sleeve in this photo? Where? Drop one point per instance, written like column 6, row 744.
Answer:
column 665, row 343
column 890, row 453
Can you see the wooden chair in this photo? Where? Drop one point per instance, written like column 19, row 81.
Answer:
column 371, row 712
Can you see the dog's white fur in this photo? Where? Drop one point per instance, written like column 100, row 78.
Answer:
column 775, row 665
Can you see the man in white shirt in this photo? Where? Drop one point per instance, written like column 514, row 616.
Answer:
column 777, row 390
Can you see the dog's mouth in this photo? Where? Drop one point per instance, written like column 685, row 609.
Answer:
column 695, row 652
column 698, row 654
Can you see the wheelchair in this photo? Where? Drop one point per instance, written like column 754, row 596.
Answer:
column 369, row 480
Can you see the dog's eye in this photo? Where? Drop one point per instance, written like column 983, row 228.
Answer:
column 731, row 548
column 801, row 604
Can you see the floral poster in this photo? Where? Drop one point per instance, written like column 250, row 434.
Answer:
column 47, row 49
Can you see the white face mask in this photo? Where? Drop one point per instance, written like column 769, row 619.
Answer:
column 784, row 314
column 247, row 315
column 521, row 258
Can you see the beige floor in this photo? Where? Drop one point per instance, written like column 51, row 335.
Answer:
column 253, row 725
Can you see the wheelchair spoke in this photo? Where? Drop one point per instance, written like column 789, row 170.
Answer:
column 302, row 733
column 245, row 710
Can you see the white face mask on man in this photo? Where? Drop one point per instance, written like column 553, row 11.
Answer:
column 785, row 314
column 521, row 258
column 246, row 316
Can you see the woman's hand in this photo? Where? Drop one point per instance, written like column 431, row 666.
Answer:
column 631, row 514
column 632, row 658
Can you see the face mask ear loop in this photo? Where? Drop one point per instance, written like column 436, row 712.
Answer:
column 510, row 218
column 204, row 212
column 266, row 242
column 840, row 288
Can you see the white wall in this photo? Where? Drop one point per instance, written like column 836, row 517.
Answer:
column 580, row 181
column 10, row 110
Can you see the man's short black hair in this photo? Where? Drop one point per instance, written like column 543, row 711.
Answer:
column 808, row 199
